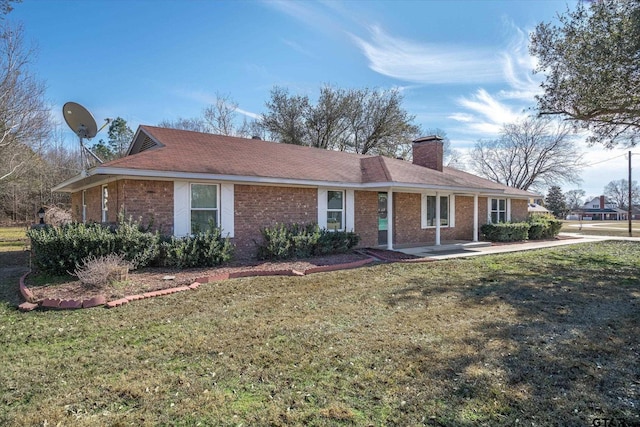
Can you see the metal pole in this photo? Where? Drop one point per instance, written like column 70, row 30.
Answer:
column 630, row 211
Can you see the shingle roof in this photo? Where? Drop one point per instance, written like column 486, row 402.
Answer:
column 179, row 151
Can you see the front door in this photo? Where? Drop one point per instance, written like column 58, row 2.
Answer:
column 382, row 219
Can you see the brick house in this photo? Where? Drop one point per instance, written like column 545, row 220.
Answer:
column 180, row 179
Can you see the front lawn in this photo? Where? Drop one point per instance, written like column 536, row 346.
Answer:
column 545, row 337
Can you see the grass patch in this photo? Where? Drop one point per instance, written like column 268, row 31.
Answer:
column 549, row 337
column 601, row 228
column 13, row 239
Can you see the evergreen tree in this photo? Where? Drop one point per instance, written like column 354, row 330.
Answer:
column 555, row 202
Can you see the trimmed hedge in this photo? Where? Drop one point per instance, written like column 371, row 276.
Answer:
column 505, row 231
column 203, row 249
column 57, row 250
column 303, row 241
column 536, row 228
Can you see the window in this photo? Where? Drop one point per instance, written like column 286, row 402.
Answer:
column 431, row 211
column 335, row 210
column 204, row 206
column 105, row 200
column 498, row 210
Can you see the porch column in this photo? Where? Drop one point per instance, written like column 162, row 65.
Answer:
column 390, row 219
column 475, row 217
column 438, row 219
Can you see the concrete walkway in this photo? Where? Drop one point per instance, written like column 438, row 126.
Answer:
column 458, row 250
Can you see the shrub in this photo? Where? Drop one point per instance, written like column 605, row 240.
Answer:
column 506, row 231
column 543, row 227
column 57, row 250
column 303, row 241
column 536, row 228
column 103, row 270
column 202, row 249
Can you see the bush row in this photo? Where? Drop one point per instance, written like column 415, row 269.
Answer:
column 303, row 241
column 59, row 250
column 535, row 228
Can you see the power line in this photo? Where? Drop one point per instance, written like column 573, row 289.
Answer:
column 609, row 159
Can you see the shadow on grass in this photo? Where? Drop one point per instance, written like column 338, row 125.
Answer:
column 560, row 332
column 13, row 264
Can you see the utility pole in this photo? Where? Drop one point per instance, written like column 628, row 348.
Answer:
column 630, row 212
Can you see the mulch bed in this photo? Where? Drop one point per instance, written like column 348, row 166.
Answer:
column 155, row 279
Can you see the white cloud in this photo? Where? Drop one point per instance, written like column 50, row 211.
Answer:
column 488, row 112
column 427, row 62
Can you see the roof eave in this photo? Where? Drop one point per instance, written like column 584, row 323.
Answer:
column 74, row 184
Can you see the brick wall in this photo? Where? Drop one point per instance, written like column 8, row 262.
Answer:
column 519, row 210
column 366, row 217
column 407, row 225
column 145, row 201
column 259, row 206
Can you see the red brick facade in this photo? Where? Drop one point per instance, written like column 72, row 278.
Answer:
column 258, row 206
column 142, row 200
column 366, row 217
column 407, row 224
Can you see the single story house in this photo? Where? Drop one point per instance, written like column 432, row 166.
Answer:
column 182, row 179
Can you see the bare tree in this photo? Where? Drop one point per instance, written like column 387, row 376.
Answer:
column 220, row 117
column 285, row 118
column 195, row 124
column 24, row 118
column 574, row 198
column 532, row 153
column 452, row 157
column 618, row 192
column 359, row 120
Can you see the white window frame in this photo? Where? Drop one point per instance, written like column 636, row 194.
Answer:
column 104, row 203
column 341, row 210
column 216, row 209
column 182, row 204
column 506, row 210
column 348, row 207
column 451, row 209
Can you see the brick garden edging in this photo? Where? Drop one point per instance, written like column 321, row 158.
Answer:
column 61, row 304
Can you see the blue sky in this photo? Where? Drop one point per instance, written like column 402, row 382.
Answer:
column 463, row 66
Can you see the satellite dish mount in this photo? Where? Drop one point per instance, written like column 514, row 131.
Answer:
column 84, row 125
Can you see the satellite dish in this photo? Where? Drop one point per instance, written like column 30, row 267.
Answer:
column 79, row 120
column 82, row 123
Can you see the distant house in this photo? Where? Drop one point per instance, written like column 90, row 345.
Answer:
column 600, row 209
column 181, row 179
column 535, row 208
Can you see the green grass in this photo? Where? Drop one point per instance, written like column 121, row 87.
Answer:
column 602, row 228
column 545, row 337
column 12, row 238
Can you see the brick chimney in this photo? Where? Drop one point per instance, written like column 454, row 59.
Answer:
column 601, row 202
column 428, row 151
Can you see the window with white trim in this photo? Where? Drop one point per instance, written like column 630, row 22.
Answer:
column 429, row 211
column 498, row 212
column 204, row 206
column 335, row 210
